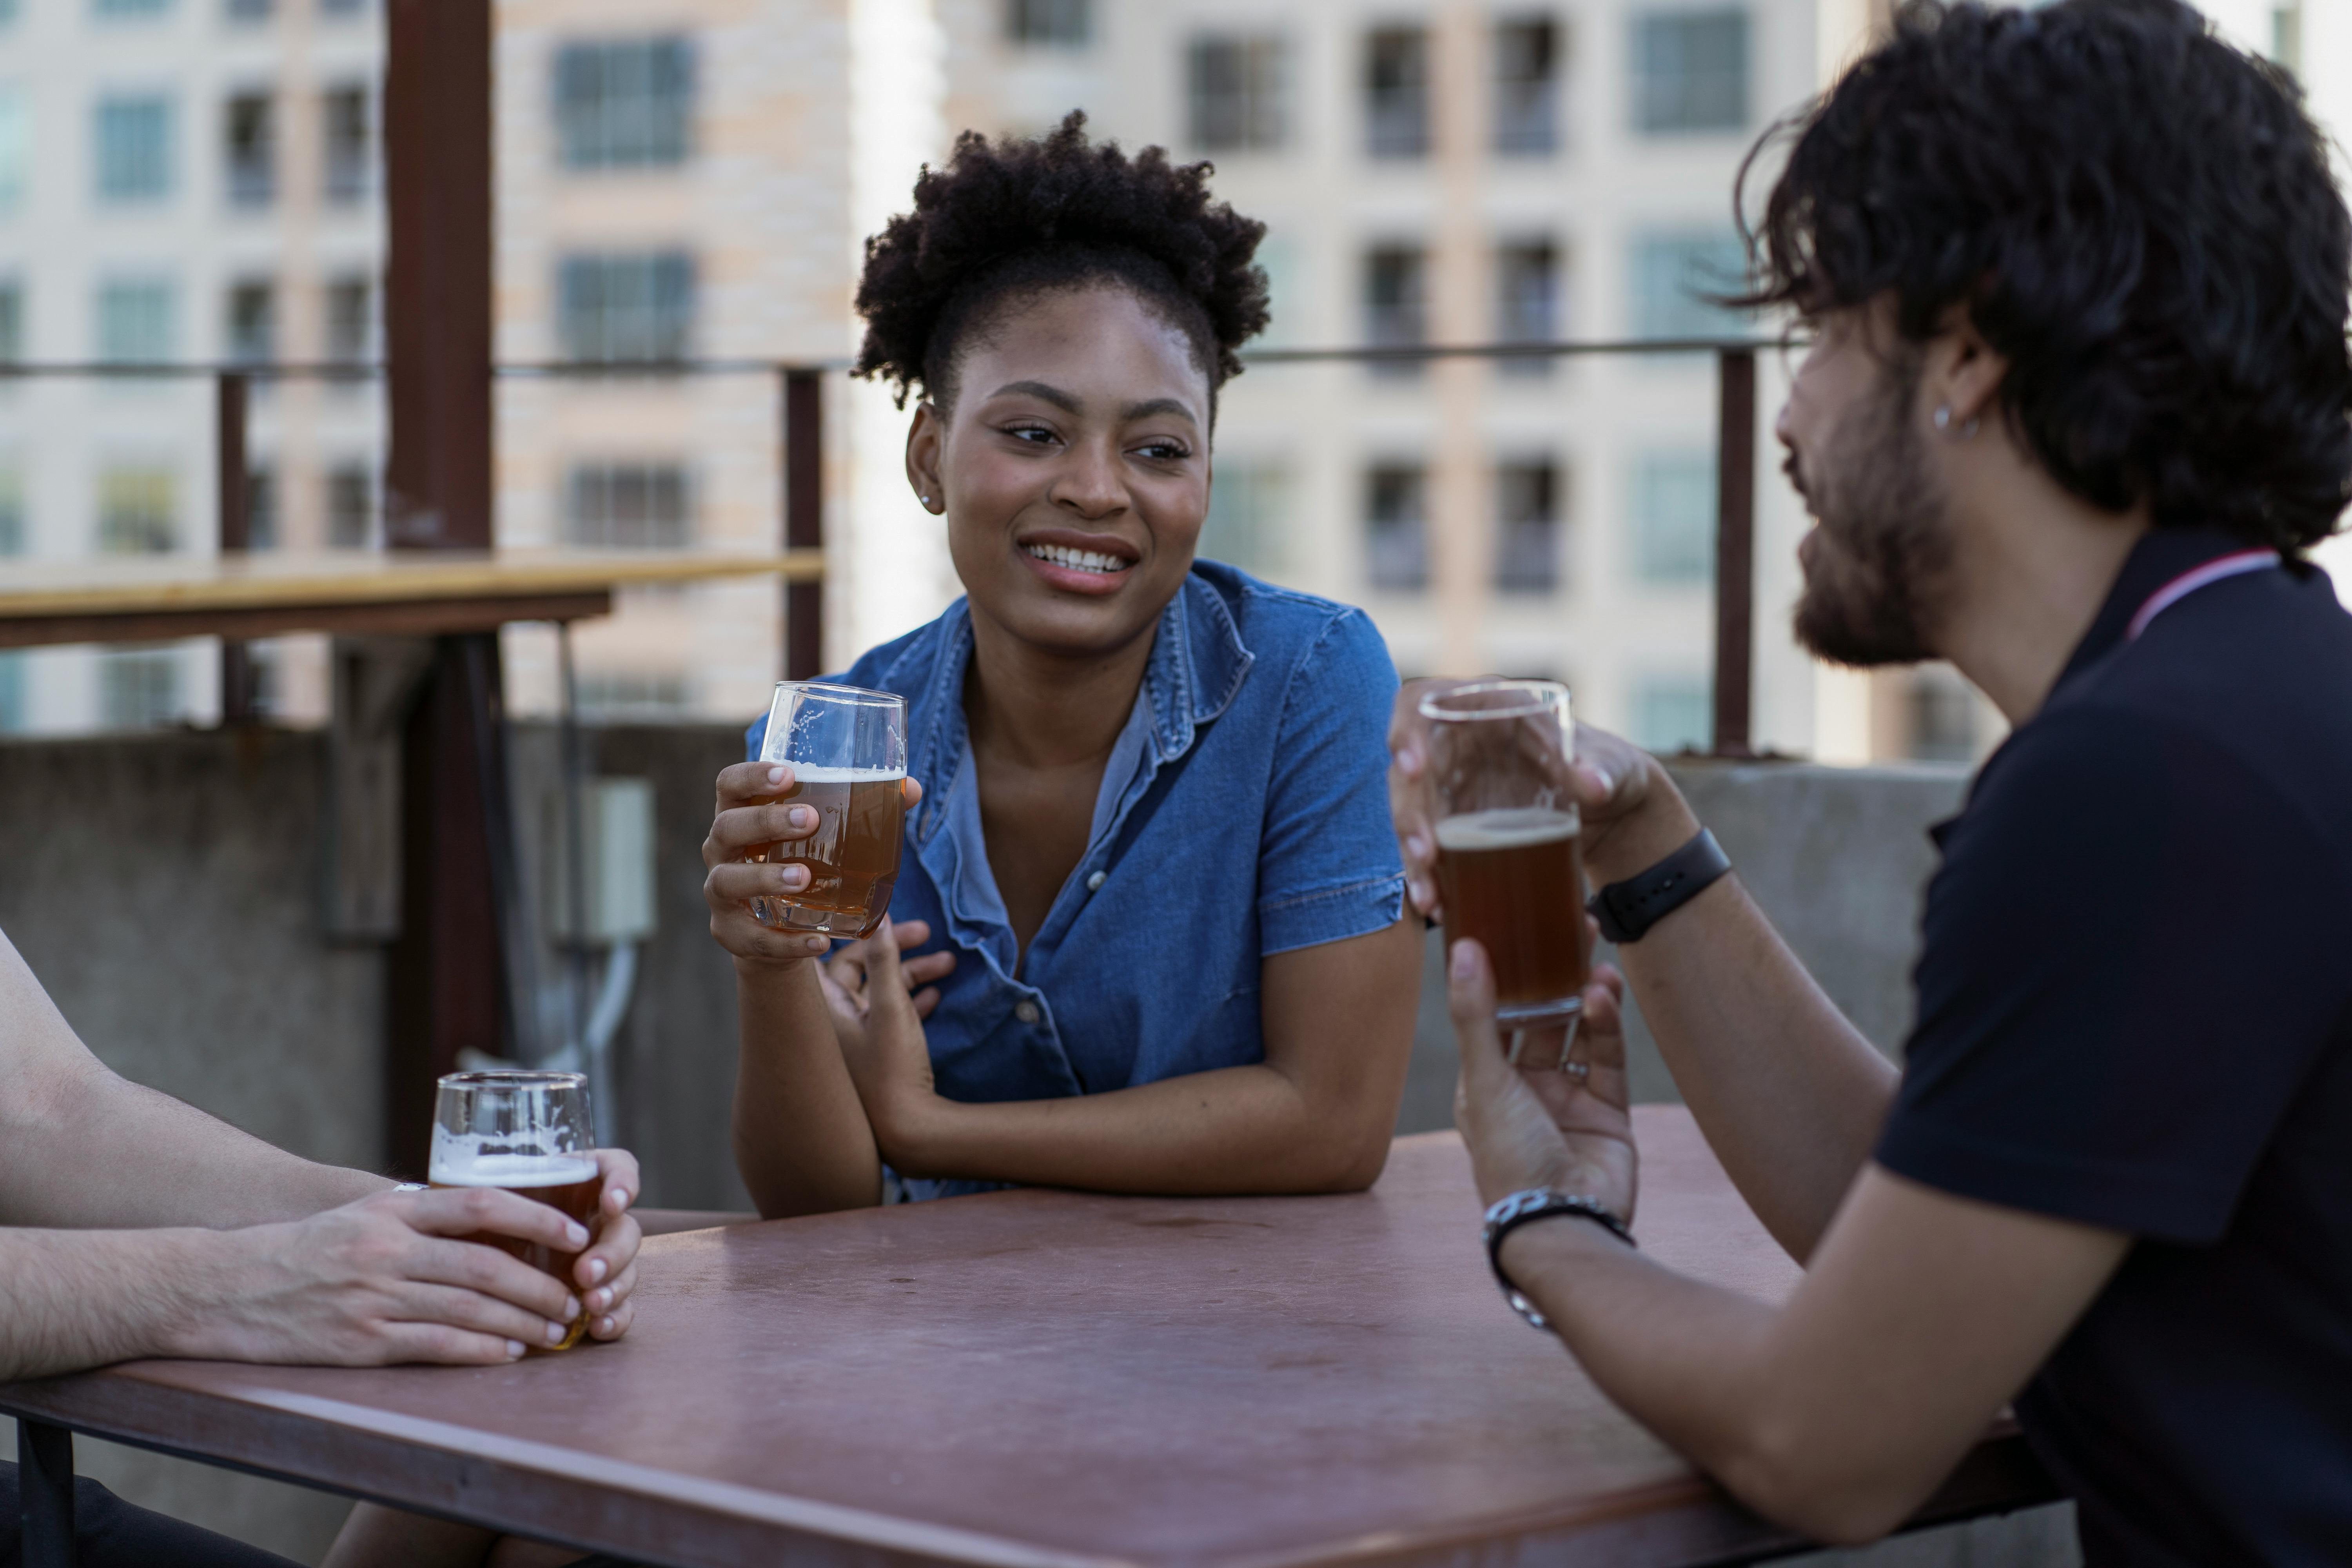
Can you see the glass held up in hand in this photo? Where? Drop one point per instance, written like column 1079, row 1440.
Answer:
column 847, row 749
column 1510, row 863
column 527, row 1133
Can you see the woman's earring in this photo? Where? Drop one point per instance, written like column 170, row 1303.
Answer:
column 1944, row 417
column 926, row 503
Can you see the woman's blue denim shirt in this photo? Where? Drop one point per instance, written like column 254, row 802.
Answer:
column 1244, row 813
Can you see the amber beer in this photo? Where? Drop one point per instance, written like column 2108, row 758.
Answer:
column 852, row 857
column 570, row 1184
column 528, row 1133
column 1510, row 880
column 1511, row 861
column 847, row 749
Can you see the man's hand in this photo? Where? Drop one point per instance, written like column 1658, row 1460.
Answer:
column 751, row 818
column 386, row 1279
column 1543, row 1127
column 1633, row 816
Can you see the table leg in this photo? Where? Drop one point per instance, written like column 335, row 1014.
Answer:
column 44, row 1481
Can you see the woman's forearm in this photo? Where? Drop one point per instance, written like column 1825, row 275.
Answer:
column 1236, row 1130
column 801, row 1139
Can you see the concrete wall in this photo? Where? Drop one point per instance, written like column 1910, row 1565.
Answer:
column 166, row 889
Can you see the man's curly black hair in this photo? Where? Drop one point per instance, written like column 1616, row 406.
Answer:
column 2139, row 217
column 1018, row 216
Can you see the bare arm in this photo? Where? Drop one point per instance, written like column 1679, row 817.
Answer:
column 1836, row 1413
column 82, row 1147
column 1791, row 1096
column 1315, row 1116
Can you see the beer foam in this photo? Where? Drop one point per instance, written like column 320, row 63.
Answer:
column 460, row 1160
column 820, row 773
column 1508, row 829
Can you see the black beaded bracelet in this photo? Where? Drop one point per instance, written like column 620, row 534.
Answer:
column 1541, row 1202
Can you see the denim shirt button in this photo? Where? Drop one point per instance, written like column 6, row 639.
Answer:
column 1026, row 1011
column 1095, row 882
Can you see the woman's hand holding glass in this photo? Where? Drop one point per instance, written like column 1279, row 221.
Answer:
column 749, row 817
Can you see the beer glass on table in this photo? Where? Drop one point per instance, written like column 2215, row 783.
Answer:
column 528, row 1133
column 1510, row 862
column 847, row 748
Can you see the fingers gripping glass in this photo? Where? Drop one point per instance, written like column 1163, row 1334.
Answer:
column 1510, row 862
column 527, row 1133
column 847, row 748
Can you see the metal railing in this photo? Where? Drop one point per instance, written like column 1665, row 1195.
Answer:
column 801, row 446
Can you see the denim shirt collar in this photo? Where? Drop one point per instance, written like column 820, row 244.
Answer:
column 1197, row 666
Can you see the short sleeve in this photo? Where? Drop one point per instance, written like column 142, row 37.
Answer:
column 2130, row 966
column 1328, row 862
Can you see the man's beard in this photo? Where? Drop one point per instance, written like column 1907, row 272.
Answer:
column 1874, row 579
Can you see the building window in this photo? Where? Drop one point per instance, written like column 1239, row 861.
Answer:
column 1943, row 717
column 139, row 689
column 1527, row 87
column 12, row 663
column 1672, row 712
column 1673, row 276
column 1690, row 72
column 249, row 138
column 137, row 512
column 1396, row 304
column 11, row 512
column 261, row 508
column 1396, row 527
column 618, row 694
column 625, row 103
column 1066, row 24
column 341, row 7
column 350, row 319
column 138, row 321
column 349, row 144
column 1527, row 533
column 251, row 327
column 15, row 148
column 1674, row 518
column 1236, row 87
column 1527, row 300
column 628, row 506
column 12, row 321
column 1396, row 92
column 128, row 10
column 1247, row 503
column 248, row 13
column 627, row 307
column 2286, row 38
column 351, row 506
column 134, row 147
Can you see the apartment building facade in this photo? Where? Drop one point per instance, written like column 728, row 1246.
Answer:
column 691, row 180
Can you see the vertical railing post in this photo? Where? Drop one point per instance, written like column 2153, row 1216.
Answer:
column 234, row 482
column 1735, row 551
column 804, row 519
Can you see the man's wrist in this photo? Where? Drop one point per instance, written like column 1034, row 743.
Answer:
column 1633, row 844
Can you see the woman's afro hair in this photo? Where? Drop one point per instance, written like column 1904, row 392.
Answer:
column 1017, row 216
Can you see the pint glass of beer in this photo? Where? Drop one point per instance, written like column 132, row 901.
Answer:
column 847, row 748
column 528, row 1133
column 1510, row 862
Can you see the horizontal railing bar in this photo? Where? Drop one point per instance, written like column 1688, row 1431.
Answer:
column 597, row 370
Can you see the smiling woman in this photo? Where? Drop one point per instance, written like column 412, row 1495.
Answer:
column 1149, row 905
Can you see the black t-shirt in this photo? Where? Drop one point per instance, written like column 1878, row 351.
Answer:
column 2136, row 1011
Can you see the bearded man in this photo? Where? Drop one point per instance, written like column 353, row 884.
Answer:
column 2074, row 409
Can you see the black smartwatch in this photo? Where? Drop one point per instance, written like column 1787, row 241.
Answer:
column 1627, row 909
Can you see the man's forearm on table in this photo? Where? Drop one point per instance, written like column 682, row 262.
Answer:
column 70, row 1299
column 108, row 1153
column 1693, row 1363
